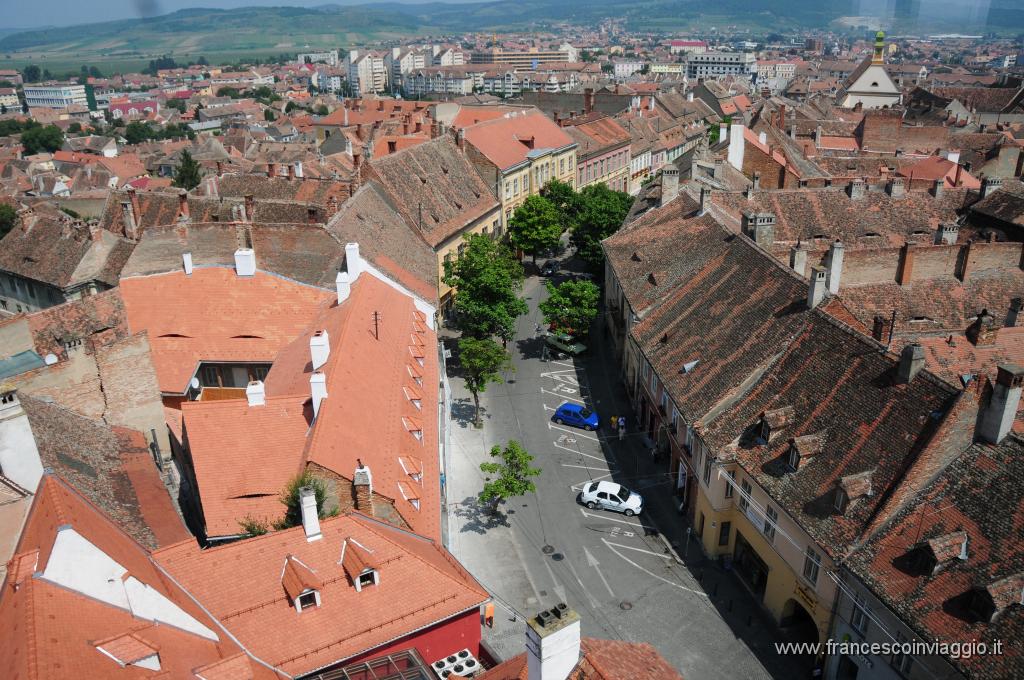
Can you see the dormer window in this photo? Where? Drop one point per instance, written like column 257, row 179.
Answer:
column 308, row 599
column 839, row 502
column 357, row 561
column 794, row 457
column 301, row 584
column 775, row 421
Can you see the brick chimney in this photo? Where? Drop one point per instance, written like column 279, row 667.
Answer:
column 271, row 169
column 818, row 286
column 552, row 643
column 183, row 205
column 317, row 390
column 588, row 100
column 878, row 327
column 319, row 348
column 460, row 139
column 911, row 363
column 250, row 207
column 310, row 516
column 705, row 201
column 997, row 419
column 362, row 488
column 905, row 269
column 255, row 393
column 835, row 266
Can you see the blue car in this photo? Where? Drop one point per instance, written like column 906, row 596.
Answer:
column 577, row 416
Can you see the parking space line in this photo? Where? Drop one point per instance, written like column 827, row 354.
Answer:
column 562, row 363
column 593, row 601
column 579, row 453
column 648, row 552
column 580, row 485
column 552, row 426
column 561, row 396
column 651, row 573
column 612, row 519
column 585, row 467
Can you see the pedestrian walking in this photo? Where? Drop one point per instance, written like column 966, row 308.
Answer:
column 614, row 420
column 622, row 428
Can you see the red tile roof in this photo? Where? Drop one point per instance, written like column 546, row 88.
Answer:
column 240, row 583
column 297, row 578
column 936, row 167
column 505, row 142
column 214, row 315
column 602, row 660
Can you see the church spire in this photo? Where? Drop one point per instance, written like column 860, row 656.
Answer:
column 879, row 48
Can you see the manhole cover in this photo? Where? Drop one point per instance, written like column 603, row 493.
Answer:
column 548, row 549
column 625, row 605
column 543, row 593
column 558, row 557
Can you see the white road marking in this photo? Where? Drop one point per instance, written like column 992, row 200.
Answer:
column 563, row 363
column 579, row 453
column 592, row 561
column 562, row 396
column 650, row 573
column 579, row 486
column 641, row 550
column 575, row 433
column 585, row 467
column 611, row 519
column 593, row 601
column 553, row 374
column 564, row 379
column 558, row 587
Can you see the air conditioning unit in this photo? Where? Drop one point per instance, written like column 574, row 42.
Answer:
column 460, row 664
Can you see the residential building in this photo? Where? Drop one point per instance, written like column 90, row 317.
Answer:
column 329, row 57
column 9, row 98
column 518, row 154
column 674, row 68
column 720, row 64
column 54, row 95
column 527, row 58
column 687, row 46
column 626, row 68
column 602, row 152
column 367, row 72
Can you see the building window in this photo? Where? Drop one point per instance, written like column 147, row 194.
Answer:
column 794, row 458
column 812, row 564
column 723, row 533
column 307, row 600
column 859, row 617
column 654, row 384
column 839, row 502
column 744, row 495
column 771, row 521
column 508, row 190
column 707, row 470
column 515, row 186
column 367, row 579
column 901, row 662
column 729, row 482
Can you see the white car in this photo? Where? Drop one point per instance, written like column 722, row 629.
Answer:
column 612, row 496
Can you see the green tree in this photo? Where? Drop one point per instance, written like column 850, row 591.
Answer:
column 138, row 131
column 37, row 139
column 293, row 504
column 486, row 277
column 269, row 115
column 601, row 214
column 3, row 110
column 482, row 362
column 189, row 174
column 565, row 199
column 8, row 216
column 513, row 474
column 31, row 73
column 321, row 110
column 571, row 306
column 535, row 226
column 75, row 127
column 176, row 104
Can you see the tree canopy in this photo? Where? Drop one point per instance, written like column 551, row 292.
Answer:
column 571, row 306
column 8, row 217
column 37, row 139
column 514, row 476
column 482, row 362
column 486, row 277
column 293, row 504
column 189, row 174
column 535, row 226
column 602, row 212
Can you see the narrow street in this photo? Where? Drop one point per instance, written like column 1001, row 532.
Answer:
column 619, row 573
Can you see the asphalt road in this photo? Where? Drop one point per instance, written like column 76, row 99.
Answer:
column 546, row 548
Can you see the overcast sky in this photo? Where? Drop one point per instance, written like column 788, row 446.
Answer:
column 37, row 13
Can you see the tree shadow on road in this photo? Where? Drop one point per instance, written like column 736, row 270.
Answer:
column 463, row 412
column 479, row 518
column 530, row 348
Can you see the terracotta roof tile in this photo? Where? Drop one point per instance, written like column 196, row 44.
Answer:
column 297, row 578
column 503, row 141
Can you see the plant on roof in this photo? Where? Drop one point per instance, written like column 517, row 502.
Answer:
column 571, row 306
column 253, row 526
column 535, row 226
column 512, row 476
column 293, row 505
column 482, row 362
column 486, row 277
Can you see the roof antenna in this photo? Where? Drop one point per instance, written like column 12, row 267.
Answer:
column 376, row 325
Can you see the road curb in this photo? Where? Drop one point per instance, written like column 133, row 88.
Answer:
column 670, row 549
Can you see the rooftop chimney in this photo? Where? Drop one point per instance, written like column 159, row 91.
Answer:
column 798, row 259
column 250, row 207
column 990, row 184
column 588, row 100
column 182, row 205
column 297, row 170
column 341, row 282
column 736, row 143
column 362, row 486
column 319, row 348
column 318, row 390
column 911, row 363
column 997, row 419
column 756, row 180
column 723, row 132
column 186, row 262
column 353, row 263
column 835, row 266
column 705, row 201
column 816, row 291
column 245, row 262
column 857, row 189
column 255, row 394
column 817, row 137
column 953, row 156
column 669, row 184
column 1013, row 315
column 897, row 187
column 310, row 518
column 763, row 138
column 689, row 96
column 947, row 233
column 553, row 643
column 938, row 186
column 983, row 331
column 19, row 455
column 211, row 187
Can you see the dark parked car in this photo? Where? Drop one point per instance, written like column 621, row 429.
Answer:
column 550, row 268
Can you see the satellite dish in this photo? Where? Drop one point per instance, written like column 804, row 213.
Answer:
column 194, row 383
column 50, row 359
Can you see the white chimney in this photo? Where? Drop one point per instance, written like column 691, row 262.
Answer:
column 816, row 291
column 835, row 266
column 553, row 644
column 953, row 156
column 245, row 262
column 341, row 282
column 763, row 138
column 186, row 261
column 19, row 455
column 723, row 132
column 736, row 142
column 997, row 419
column 318, row 390
column 689, row 96
column 255, row 393
column 298, row 169
column 319, row 348
column 310, row 519
column 353, row 263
